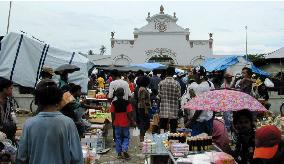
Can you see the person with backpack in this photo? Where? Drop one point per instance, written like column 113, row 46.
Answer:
column 121, row 111
column 199, row 121
column 114, row 85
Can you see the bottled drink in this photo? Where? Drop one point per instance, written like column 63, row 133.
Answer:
column 194, row 145
column 210, row 142
column 203, row 144
column 189, row 142
column 198, row 144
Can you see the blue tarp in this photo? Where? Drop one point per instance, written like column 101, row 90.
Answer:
column 148, row 65
column 151, row 66
column 219, row 64
column 259, row 71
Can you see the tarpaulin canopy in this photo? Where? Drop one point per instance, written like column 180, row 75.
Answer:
column 219, row 64
column 126, row 68
column 258, row 71
column 148, row 65
column 22, row 59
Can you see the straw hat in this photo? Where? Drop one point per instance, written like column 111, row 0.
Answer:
column 47, row 70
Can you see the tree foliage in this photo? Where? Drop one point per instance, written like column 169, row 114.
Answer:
column 257, row 59
column 90, row 52
column 102, row 50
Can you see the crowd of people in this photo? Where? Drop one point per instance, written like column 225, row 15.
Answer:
column 60, row 116
column 171, row 88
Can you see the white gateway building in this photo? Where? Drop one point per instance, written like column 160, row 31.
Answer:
column 161, row 40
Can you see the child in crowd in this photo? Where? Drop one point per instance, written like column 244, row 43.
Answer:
column 243, row 124
column 121, row 111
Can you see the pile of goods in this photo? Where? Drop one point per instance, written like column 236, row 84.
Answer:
column 99, row 117
column 101, row 96
column 180, row 137
column 94, row 141
column 149, row 147
column 208, row 157
column 200, row 143
column 97, row 95
column 272, row 119
column 179, row 149
column 223, row 158
column 92, row 93
column 89, row 155
column 7, row 150
column 155, row 143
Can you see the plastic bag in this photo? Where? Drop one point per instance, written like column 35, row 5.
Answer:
column 268, row 83
column 135, row 132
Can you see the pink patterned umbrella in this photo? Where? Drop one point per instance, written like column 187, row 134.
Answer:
column 224, row 100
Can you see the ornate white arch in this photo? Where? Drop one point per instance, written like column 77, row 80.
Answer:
column 197, row 60
column 121, row 59
column 161, row 51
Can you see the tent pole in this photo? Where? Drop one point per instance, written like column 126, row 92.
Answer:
column 281, row 74
column 246, row 42
column 8, row 25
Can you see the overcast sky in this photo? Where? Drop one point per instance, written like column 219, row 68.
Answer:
column 81, row 26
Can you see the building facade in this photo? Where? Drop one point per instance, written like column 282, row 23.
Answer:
column 161, row 40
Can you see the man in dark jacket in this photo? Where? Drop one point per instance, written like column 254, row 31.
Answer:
column 181, row 83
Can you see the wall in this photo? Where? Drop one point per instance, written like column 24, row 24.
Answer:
column 175, row 42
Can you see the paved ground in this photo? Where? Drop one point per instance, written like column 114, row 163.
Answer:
column 110, row 158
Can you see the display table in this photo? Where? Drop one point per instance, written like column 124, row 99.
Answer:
column 152, row 158
column 94, row 99
column 204, row 157
column 102, row 104
column 215, row 155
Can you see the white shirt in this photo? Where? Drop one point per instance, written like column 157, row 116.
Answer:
column 119, row 84
column 226, row 85
column 198, row 89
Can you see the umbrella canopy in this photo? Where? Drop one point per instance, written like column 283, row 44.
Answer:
column 224, row 100
column 67, row 68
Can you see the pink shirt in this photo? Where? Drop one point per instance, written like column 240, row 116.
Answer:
column 220, row 135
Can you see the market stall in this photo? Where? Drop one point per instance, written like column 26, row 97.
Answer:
column 180, row 148
column 100, row 120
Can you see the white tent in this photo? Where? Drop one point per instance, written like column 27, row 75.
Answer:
column 22, row 58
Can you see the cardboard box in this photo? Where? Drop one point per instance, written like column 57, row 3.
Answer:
column 92, row 93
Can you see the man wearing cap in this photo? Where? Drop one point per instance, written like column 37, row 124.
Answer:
column 200, row 121
column 46, row 73
column 269, row 149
